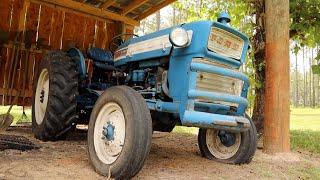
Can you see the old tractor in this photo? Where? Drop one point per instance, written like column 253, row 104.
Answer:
column 188, row 75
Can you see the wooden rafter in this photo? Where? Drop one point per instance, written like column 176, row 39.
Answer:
column 154, row 9
column 87, row 9
column 107, row 4
column 132, row 6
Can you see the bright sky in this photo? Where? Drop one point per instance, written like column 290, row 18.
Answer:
column 301, row 64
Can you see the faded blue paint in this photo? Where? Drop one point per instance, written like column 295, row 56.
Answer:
column 182, row 76
column 77, row 54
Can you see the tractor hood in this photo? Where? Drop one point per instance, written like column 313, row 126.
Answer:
column 158, row 44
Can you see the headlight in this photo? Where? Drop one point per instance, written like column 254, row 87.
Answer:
column 179, row 37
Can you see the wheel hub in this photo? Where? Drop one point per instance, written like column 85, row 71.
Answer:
column 227, row 139
column 108, row 132
column 222, row 144
column 42, row 96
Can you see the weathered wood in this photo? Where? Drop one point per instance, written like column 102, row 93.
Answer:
column 57, row 21
column 101, row 34
column 84, row 8
column 107, row 4
column 89, row 33
column 277, row 104
column 5, row 14
column 73, row 31
column 31, row 23
column 132, row 6
column 44, row 31
column 16, row 10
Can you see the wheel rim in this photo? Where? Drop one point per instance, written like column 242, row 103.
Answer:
column 109, row 133
column 218, row 147
column 42, row 96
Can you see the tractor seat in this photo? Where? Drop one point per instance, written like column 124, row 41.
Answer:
column 100, row 55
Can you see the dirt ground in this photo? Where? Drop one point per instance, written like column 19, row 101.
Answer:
column 172, row 156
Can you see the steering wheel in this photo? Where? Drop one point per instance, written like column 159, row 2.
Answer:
column 117, row 40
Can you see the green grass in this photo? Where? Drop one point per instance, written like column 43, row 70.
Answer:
column 304, row 129
column 16, row 112
column 305, row 119
column 305, row 139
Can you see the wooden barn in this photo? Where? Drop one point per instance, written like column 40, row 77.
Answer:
column 30, row 28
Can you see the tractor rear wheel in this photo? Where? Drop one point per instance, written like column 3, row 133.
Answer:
column 119, row 134
column 54, row 101
column 228, row 147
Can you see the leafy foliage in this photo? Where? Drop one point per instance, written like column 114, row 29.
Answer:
column 305, row 22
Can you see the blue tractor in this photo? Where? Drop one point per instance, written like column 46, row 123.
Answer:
column 188, row 75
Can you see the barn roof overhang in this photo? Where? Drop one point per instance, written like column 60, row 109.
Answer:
column 127, row 11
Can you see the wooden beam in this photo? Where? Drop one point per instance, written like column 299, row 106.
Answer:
column 87, row 9
column 70, row 11
column 107, row 4
column 154, row 9
column 132, row 6
column 277, row 100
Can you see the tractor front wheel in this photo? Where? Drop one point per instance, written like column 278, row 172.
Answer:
column 119, row 134
column 228, row 147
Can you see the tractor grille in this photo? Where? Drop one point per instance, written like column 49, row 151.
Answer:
column 216, row 83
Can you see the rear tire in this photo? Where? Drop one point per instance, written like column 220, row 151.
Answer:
column 54, row 101
column 226, row 147
column 119, row 134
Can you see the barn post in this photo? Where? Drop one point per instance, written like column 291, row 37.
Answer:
column 277, row 102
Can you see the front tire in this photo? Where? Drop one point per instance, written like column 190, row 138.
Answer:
column 54, row 100
column 227, row 147
column 119, row 134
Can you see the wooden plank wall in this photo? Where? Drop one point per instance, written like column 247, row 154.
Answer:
column 54, row 29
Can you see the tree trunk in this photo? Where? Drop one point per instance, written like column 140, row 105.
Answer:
column 258, row 42
column 158, row 16
column 297, row 82
column 277, row 98
column 174, row 16
column 304, row 77
column 312, row 77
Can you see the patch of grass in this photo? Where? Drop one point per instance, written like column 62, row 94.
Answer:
column 16, row 112
column 185, row 130
column 305, row 139
column 314, row 173
column 309, row 173
column 304, row 126
column 305, row 119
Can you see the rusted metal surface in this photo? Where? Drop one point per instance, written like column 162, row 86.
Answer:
column 276, row 125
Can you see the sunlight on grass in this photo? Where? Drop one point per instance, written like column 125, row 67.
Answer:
column 304, row 126
column 16, row 112
column 305, row 139
column 305, row 119
column 185, row 130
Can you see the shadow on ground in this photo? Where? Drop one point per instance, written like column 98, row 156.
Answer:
column 172, row 156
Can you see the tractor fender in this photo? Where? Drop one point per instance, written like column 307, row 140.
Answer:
column 76, row 54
